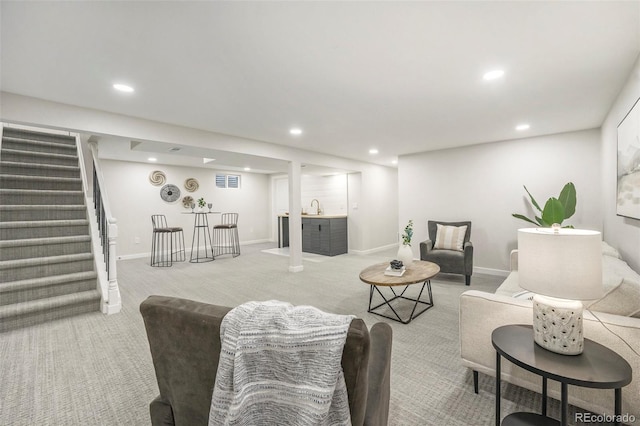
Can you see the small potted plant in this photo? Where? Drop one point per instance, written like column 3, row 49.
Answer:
column 405, row 254
column 407, row 234
column 201, row 203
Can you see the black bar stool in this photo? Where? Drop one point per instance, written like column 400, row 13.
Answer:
column 165, row 240
column 225, row 236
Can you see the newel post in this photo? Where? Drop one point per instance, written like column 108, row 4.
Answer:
column 114, row 303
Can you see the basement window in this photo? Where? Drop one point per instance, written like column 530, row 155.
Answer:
column 228, row 181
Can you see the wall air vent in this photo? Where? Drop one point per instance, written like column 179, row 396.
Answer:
column 174, row 149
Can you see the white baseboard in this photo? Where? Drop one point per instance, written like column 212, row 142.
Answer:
column 187, row 250
column 264, row 240
column 133, row 256
column 374, row 250
column 491, row 271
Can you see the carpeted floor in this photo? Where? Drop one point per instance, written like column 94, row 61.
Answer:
column 96, row 369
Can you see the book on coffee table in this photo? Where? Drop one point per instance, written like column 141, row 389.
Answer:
column 394, row 272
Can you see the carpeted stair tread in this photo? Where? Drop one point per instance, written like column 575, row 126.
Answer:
column 39, row 261
column 38, row 166
column 40, row 183
column 46, row 281
column 39, row 212
column 45, row 241
column 38, row 135
column 41, row 196
column 41, row 178
column 39, row 143
column 43, row 223
column 44, row 155
column 14, row 207
column 40, row 192
column 50, row 303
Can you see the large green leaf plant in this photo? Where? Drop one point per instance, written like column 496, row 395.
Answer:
column 555, row 210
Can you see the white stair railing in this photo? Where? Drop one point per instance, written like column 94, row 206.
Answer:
column 104, row 230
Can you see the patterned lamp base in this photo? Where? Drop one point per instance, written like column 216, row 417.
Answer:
column 557, row 324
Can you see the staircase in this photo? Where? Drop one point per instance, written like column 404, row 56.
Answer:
column 46, row 264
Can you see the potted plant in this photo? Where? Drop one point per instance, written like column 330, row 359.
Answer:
column 555, row 210
column 201, row 203
column 405, row 254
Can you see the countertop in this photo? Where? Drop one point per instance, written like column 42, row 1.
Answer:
column 318, row 216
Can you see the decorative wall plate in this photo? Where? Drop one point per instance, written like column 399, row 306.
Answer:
column 191, row 185
column 157, row 178
column 170, row 193
column 186, row 201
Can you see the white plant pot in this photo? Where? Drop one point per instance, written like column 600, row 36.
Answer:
column 405, row 254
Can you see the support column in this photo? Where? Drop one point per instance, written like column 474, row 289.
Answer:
column 295, row 218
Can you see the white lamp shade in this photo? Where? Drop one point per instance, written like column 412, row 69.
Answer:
column 565, row 263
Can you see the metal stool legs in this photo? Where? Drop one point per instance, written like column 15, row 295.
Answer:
column 160, row 249
column 167, row 244
column 225, row 236
column 177, row 242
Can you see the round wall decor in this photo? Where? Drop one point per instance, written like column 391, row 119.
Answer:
column 170, row 193
column 191, row 185
column 186, row 201
column 157, row 178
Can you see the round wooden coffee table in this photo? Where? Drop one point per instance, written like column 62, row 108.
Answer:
column 420, row 271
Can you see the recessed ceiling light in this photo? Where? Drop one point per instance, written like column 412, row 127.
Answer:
column 123, row 88
column 208, row 160
column 295, row 131
column 394, row 161
column 521, row 127
column 492, row 75
column 373, row 151
column 246, row 169
column 152, row 159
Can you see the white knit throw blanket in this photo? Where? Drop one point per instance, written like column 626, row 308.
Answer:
column 281, row 365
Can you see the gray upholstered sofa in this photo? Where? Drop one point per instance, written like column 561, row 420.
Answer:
column 450, row 261
column 614, row 317
column 184, row 338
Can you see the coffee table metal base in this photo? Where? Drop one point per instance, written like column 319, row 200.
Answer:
column 387, row 302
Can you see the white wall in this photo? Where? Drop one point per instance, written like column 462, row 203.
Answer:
column 375, row 219
column 134, row 199
column 330, row 191
column 484, row 184
column 622, row 233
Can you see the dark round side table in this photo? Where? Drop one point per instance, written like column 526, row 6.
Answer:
column 596, row 367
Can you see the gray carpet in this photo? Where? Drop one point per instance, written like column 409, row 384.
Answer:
column 96, row 370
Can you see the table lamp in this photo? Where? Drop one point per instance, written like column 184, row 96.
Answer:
column 561, row 267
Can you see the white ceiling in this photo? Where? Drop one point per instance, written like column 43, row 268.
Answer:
column 124, row 149
column 402, row 77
